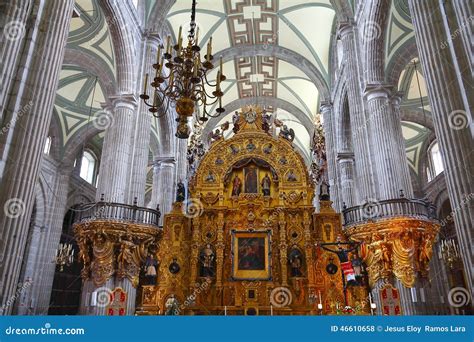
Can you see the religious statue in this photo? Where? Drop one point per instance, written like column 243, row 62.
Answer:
column 287, row 133
column 125, row 257
column 210, row 177
column 251, row 181
column 291, row 176
column 266, row 183
column 180, row 192
column 266, row 121
column 236, row 186
column 386, row 258
column 215, row 135
column 207, row 261
column 172, row 306
column 296, row 263
column 151, row 264
column 235, row 122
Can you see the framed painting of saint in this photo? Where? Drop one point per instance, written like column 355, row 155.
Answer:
column 251, row 255
column 251, row 180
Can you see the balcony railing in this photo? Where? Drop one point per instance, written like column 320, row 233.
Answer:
column 399, row 207
column 117, row 212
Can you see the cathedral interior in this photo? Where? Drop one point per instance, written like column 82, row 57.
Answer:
column 236, row 157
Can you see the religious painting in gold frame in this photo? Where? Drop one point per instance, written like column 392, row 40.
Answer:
column 251, row 255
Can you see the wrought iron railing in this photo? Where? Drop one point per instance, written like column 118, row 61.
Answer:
column 400, row 207
column 116, row 212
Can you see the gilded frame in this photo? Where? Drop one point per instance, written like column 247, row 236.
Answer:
column 259, row 266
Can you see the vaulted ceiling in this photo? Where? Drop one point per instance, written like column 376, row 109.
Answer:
column 273, row 82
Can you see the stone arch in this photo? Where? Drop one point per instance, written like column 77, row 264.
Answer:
column 343, row 124
column 124, row 37
column 405, row 54
column 284, row 54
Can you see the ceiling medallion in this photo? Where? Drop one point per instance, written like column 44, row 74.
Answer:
column 186, row 85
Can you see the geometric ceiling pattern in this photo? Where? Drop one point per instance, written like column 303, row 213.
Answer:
column 298, row 25
column 416, row 137
column 79, row 96
column 399, row 31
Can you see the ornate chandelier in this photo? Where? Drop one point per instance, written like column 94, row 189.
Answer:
column 64, row 255
column 186, row 85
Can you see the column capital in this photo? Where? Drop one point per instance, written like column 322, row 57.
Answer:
column 164, row 161
column 377, row 90
column 153, row 38
column 345, row 156
column 129, row 101
column 397, row 97
column 325, row 106
column 346, row 28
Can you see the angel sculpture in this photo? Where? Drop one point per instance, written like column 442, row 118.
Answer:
column 287, row 133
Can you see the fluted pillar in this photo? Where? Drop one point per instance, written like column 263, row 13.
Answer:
column 385, row 138
column 40, row 265
column 345, row 162
column 114, row 174
column 464, row 17
column 360, row 136
column 13, row 28
column 142, row 128
column 28, row 113
column 330, row 138
column 163, row 191
column 407, row 185
column 452, row 120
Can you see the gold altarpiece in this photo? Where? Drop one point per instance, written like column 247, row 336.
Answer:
column 250, row 219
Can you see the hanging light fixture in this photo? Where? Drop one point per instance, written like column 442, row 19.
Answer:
column 186, row 84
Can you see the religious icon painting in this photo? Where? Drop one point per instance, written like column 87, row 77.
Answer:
column 251, row 255
column 251, row 180
column 118, row 303
column 390, row 299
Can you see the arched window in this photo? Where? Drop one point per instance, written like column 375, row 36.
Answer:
column 435, row 162
column 47, row 145
column 88, row 167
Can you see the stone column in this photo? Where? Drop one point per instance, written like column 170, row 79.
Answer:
column 345, row 162
column 330, row 138
column 464, row 16
column 13, row 29
column 365, row 176
column 385, row 137
column 116, row 153
column 163, row 192
column 28, row 114
column 142, row 128
column 452, row 121
column 396, row 100
column 40, row 264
